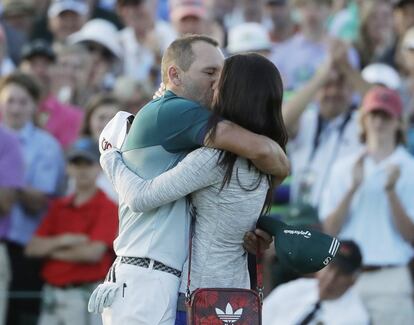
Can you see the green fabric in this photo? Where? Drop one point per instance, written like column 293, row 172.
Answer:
column 302, row 249
column 175, row 123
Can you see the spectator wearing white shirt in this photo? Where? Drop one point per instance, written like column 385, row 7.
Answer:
column 329, row 298
column 323, row 127
column 144, row 39
column 369, row 200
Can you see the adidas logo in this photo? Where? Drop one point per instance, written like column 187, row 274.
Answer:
column 306, row 234
column 229, row 317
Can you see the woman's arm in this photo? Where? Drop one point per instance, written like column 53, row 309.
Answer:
column 198, row 170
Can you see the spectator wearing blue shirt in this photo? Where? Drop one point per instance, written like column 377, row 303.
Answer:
column 43, row 160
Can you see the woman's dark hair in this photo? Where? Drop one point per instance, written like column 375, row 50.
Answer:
column 250, row 93
column 93, row 104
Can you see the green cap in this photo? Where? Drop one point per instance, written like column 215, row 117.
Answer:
column 303, row 250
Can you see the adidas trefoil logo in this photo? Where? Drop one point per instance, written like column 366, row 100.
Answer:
column 229, row 317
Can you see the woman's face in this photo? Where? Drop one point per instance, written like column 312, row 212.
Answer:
column 380, row 25
column 100, row 118
column 17, row 107
column 380, row 124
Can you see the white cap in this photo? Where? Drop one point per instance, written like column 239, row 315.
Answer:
column 114, row 133
column 59, row 6
column 99, row 31
column 383, row 74
column 248, row 37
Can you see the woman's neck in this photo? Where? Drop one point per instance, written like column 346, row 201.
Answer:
column 379, row 149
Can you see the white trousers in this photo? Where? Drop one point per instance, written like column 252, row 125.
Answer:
column 5, row 278
column 388, row 295
column 145, row 297
column 67, row 306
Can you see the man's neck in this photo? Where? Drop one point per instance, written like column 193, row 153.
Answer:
column 83, row 195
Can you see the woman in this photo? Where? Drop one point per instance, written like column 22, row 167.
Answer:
column 99, row 111
column 229, row 192
column 369, row 200
column 43, row 176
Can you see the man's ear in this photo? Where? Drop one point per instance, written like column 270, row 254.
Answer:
column 174, row 75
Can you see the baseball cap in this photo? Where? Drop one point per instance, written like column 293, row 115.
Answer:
column 248, row 37
column 114, row 133
column 99, row 31
column 381, row 74
column 17, row 7
column 37, row 47
column 382, row 99
column 85, row 148
column 302, row 249
column 348, row 258
column 59, row 6
column 184, row 8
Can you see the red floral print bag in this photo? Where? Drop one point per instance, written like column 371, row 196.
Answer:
column 225, row 306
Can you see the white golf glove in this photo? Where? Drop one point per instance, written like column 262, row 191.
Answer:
column 102, row 297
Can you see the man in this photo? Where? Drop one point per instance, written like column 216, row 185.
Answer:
column 75, row 240
column 164, row 131
column 299, row 57
column 66, row 17
column 369, row 200
column 323, row 128
column 11, row 179
column 329, row 298
column 61, row 120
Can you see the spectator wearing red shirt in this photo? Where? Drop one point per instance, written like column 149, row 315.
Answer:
column 76, row 239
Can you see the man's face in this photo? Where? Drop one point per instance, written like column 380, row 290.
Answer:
column 334, row 96
column 66, row 23
column 190, row 25
column 403, row 18
column 16, row 106
column 83, row 172
column 199, row 81
column 38, row 66
column 312, row 15
column 139, row 17
column 333, row 283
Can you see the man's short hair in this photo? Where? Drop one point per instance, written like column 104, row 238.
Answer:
column 180, row 52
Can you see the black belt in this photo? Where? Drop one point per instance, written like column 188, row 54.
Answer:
column 145, row 262
column 373, row 268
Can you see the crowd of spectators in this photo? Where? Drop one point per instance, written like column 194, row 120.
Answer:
column 68, row 66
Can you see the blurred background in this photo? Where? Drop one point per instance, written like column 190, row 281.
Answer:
column 68, row 66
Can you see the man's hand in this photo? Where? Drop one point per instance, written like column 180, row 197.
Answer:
column 258, row 237
column 72, row 239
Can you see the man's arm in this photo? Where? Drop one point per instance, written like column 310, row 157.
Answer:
column 45, row 246
column 265, row 153
column 91, row 252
